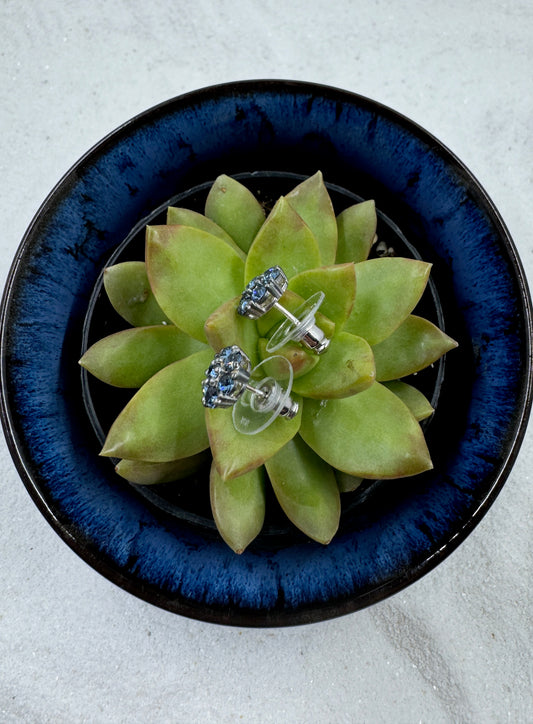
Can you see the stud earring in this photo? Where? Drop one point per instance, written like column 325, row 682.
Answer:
column 256, row 397
column 263, row 293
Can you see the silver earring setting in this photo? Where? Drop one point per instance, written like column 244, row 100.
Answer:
column 263, row 293
column 256, row 397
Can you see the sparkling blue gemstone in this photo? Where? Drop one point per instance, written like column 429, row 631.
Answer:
column 225, row 353
column 210, row 396
column 243, row 306
column 230, row 357
column 226, row 385
column 258, row 294
column 272, row 275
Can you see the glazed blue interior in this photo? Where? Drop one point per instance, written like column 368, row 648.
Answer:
column 401, row 528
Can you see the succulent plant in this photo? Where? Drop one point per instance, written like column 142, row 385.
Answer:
column 357, row 417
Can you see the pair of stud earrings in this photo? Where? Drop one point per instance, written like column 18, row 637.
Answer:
column 256, row 396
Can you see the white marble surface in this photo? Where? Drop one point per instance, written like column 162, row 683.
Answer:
column 455, row 646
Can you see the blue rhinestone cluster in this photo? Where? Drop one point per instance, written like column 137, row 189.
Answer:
column 261, row 292
column 224, row 378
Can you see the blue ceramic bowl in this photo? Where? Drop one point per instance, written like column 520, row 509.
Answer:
column 165, row 549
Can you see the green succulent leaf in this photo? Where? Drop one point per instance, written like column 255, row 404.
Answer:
column 416, row 344
column 284, row 240
column 130, row 357
column 233, row 207
column 347, row 483
column 225, row 327
column 306, row 489
column 191, row 274
column 130, row 294
column 369, row 435
column 338, row 284
column 300, row 359
column 387, row 291
column 236, row 454
column 346, row 368
column 291, row 301
column 310, row 199
column 141, row 472
column 165, row 419
column 186, row 217
column 415, row 400
column 357, row 230
column 238, row 506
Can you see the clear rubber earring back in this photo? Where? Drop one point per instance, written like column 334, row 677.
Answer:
column 264, row 398
column 301, row 327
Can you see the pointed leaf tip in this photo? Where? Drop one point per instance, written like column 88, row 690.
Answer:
column 311, row 200
column 129, row 291
column 414, row 345
column 165, row 419
column 370, row 435
column 130, row 357
column 284, row 240
column 238, row 507
column 234, row 208
column 357, row 230
column 306, row 489
column 186, row 217
column 387, row 290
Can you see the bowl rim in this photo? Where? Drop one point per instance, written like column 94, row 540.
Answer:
column 323, row 610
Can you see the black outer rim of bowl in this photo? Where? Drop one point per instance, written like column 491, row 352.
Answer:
column 74, row 538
